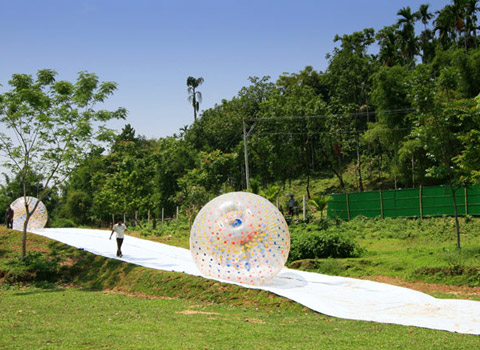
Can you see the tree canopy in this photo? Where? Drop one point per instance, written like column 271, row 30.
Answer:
column 49, row 127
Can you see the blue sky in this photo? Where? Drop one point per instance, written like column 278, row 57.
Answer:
column 150, row 47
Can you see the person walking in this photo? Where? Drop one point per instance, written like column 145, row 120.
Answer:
column 119, row 228
column 9, row 213
column 292, row 206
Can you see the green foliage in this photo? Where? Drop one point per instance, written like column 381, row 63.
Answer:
column 271, row 193
column 36, row 268
column 52, row 125
column 62, row 222
column 78, row 205
column 312, row 242
column 319, row 203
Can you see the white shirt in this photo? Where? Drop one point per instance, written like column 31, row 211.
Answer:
column 119, row 230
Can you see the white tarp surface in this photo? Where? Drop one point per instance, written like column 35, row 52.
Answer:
column 334, row 296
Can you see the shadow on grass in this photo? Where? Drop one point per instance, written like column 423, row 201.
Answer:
column 3, row 252
column 38, row 291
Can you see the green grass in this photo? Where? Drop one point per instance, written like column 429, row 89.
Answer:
column 101, row 303
column 80, row 319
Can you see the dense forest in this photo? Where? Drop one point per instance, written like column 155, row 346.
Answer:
column 395, row 108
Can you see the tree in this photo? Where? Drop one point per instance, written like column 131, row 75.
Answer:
column 350, row 69
column 127, row 186
column 440, row 127
column 408, row 42
column 51, row 125
column 319, row 203
column 389, row 53
column 424, row 15
column 194, row 96
column 425, row 41
column 471, row 8
column 468, row 160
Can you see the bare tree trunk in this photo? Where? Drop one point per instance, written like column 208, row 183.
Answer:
column 24, row 240
column 307, row 164
column 340, row 178
column 359, row 167
column 138, row 222
column 24, row 235
column 413, row 171
column 308, row 186
column 395, row 165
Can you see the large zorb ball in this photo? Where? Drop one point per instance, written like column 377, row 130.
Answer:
column 39, row 218
column 240, row 237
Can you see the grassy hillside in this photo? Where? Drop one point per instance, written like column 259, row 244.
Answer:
column 51, row 264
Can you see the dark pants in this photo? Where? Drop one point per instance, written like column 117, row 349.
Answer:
column 10, row 223
column 119, row 246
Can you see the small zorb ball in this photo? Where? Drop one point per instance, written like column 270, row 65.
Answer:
column 39, row 218
column 240, row 237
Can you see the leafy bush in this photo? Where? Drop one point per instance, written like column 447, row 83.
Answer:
column 62, row 222
column 177, row 227
column 314, row 243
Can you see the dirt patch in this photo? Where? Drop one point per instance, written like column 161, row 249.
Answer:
column 254, row 320
column 195, row 312
column 429, row 288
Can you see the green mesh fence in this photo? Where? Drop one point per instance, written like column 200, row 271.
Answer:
column 415, row 202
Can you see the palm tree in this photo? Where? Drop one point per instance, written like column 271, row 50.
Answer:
column 319, row 203
column 389, row 53
column 194, row 96
column 424, row 15
column 445, row 24
column 408, row 42
column 425, row 39
column 471, row 7
column 458, row 17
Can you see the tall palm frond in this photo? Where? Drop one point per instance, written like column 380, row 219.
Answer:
column 194, row 96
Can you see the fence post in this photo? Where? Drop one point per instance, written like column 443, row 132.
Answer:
column 304, row 208
column 177, row 212
column 381, row 205
column 348, row 205
column 466, row 200
column 420, row 197
column 278, row 200
column 162, row 215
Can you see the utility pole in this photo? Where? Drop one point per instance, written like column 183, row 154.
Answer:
column 245, row 151
column 245, row 148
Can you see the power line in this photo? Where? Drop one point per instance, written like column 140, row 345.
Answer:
column 325, row 132
column 356, row 114
column 330, row 132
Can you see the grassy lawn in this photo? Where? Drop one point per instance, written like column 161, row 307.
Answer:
column 79, row 319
